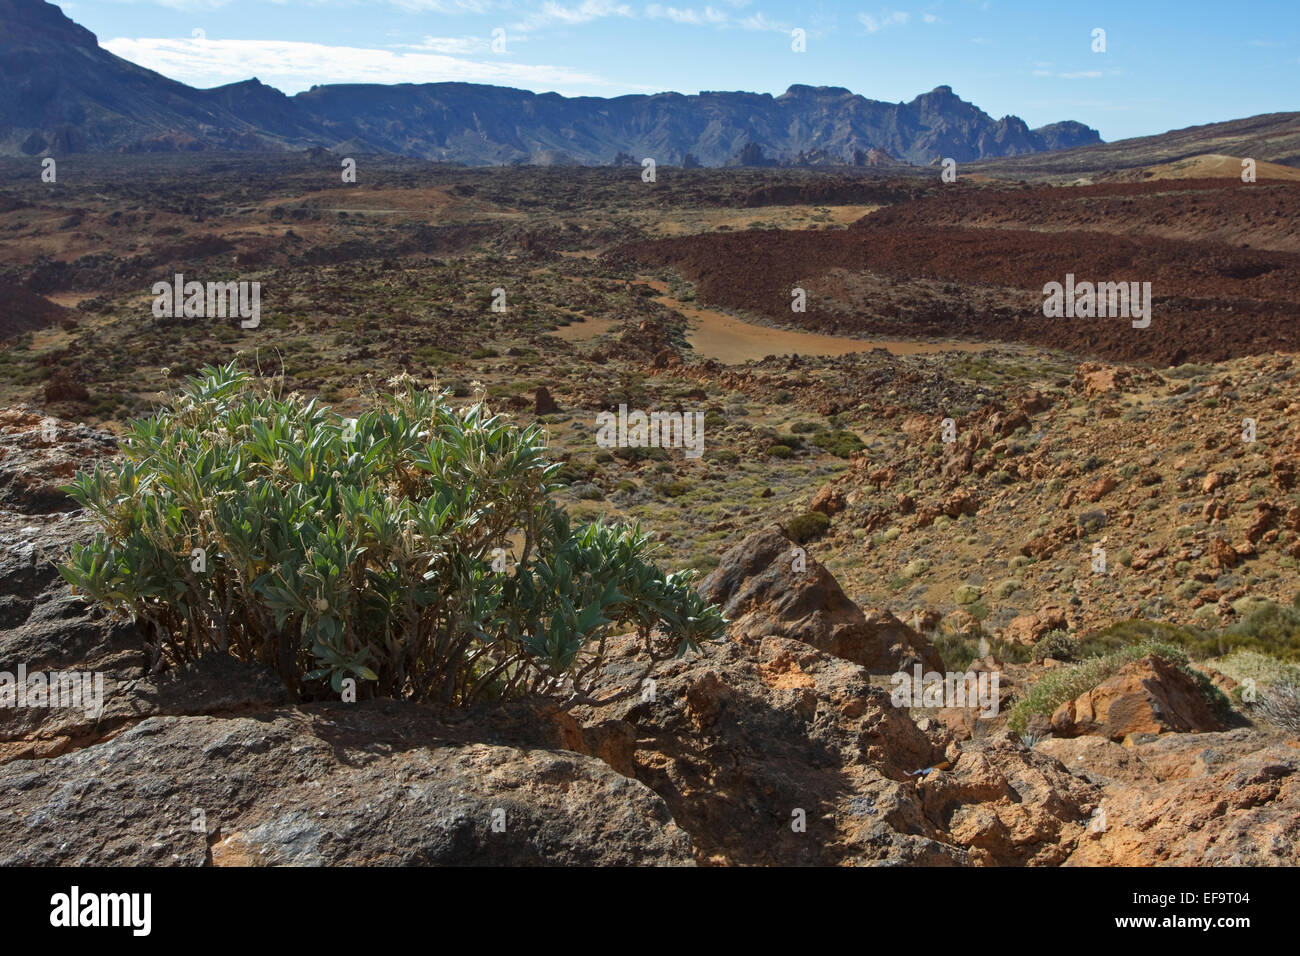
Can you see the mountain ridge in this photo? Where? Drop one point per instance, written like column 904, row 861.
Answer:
column 71, row 95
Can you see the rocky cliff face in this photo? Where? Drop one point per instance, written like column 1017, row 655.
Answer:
column 763, row 750
column 64, row 94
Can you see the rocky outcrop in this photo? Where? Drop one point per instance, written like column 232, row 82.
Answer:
column 1147, row 696
column 1031, row 628
column 1214, row 799
column 768, row 585
column 39, row 454
column 764, row 749
column 344, row 784
column 762, row 733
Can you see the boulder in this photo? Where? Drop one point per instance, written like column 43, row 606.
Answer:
column 1030, row 628
column 768, row 585
column 829, row 500
column 374, row 783
column 1149, row 695
column 543, row 403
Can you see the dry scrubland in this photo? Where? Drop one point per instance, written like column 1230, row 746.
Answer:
column 1073, row 439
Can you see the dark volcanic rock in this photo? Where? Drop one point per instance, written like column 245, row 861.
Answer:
column 349, row 784
column 762, row 590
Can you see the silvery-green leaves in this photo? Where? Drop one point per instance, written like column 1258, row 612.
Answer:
column 338, row 548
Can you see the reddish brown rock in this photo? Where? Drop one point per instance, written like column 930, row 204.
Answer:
column 829, row 501
column 1030, row 628
column 1093, row 379
column 1216, row 480
column 960, row 502
column 1222, row 554
column 1100, row 488
column 1284, row 473
column 1262, row 521
column 1149, row 695
column 1143, row 557
column 1213, row 799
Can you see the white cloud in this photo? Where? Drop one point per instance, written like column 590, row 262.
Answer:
column 1081, row 75
column 185, row 6
column 293, row 66
column 450, row 7
column 456, row 45
column 760, row 21
column 885, row 19
column 551, row 12
column 929, row 18
column 657, row 11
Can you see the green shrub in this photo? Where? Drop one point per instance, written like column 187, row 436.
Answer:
column 780, row 451
column 841, row 444
column 672, row 489
column 1057, row 645
column 806, row 527
column 335, row 549
column 1269, row 628
column 1275, row 685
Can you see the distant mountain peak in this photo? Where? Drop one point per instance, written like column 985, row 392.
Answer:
column 96, row 102
column 18, row 17
column 802, row 89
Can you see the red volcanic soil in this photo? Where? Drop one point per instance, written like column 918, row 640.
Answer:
column 1262, row 215
column 1210, row 300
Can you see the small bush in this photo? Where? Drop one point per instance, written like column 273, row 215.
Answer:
column 806, row 527
column 1276, row 686
column 1057, row 645
column 1279, row 704
column 841, row 444
column 672, row 489
column 365, row 549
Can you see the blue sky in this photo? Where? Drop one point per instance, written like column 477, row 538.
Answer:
column 1166, row 65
